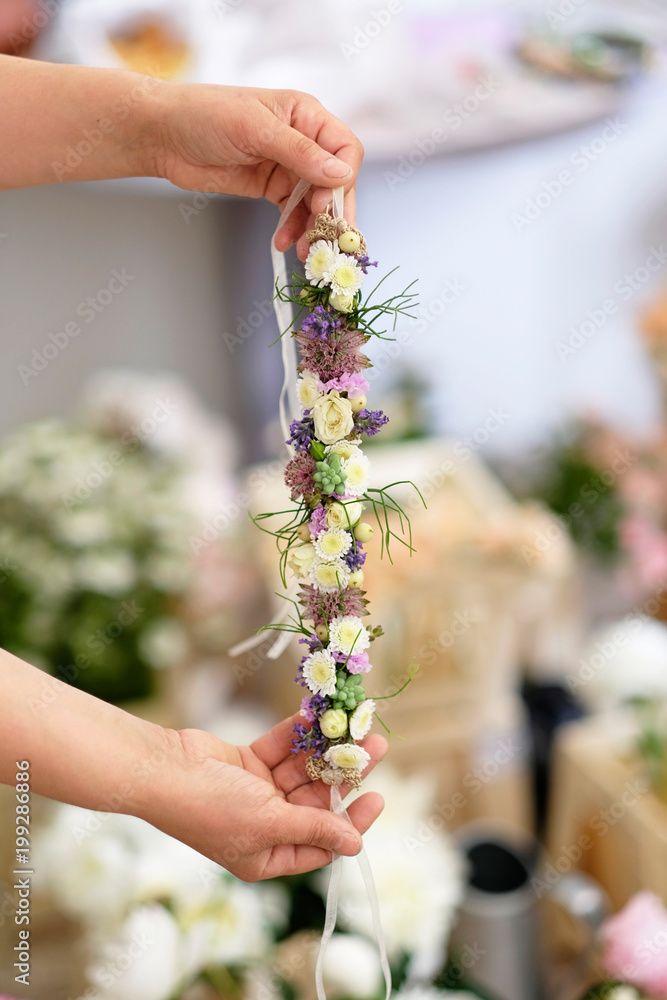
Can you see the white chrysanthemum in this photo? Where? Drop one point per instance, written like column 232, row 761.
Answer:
column 341, row 303
column 344, row 275
column 347, row 755
column 329, row 576
column 343, row 515
column 319, row 672
column 348, row 634
column 301, row 558
column 361, row 719
column 344, row 449
column 333, row 543
column 321, row 258
column 308, row 390
column 357, row 468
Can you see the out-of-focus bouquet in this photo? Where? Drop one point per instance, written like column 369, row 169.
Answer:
column 610, row 493
column 117, row 551
column 206, row 934
column 634, row 952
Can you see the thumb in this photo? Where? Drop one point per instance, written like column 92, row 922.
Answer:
column 302, row 156
column 307, row 825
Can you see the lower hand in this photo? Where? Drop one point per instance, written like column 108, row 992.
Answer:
column 254, row 810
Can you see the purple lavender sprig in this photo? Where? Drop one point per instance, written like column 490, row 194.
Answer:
column 365, row 262
column 369, row 422
column 302, row 432
column 355, row 558
column 306, row 740
column 321, row 322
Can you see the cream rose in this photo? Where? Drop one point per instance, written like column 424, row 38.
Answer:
column 301, row 558
column 343, row 515
column 308, row 389
column 333, row 417
column 341, row 302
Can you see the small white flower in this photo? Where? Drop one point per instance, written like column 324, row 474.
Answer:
column 344, row 275
column 361, row 719
column 357, row 469
column 341, row 303
column 347, row 755
column 348, row 635
column 333, row 543
column 343, row 515
column 307, row 388
column 321, row 258
column 319, row 672
column 329, row 576
column 343, row 448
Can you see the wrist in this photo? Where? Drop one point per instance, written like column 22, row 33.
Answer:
column 141, row 107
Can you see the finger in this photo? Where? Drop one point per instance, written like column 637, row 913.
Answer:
column 303, row 156
column 312, row 826
column 294, row 229
column 290, row 774
column 274, row 746
column 297, row 860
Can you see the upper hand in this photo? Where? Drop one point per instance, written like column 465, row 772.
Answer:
column 254, row 810
column 257, row 143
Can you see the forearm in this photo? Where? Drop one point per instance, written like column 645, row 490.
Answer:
column 73, row 123
column 80, row 749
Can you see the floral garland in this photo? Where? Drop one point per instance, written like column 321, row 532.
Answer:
column 328, row 476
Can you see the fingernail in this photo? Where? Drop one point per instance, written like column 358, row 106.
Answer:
column 336, row 168
column 348, row 844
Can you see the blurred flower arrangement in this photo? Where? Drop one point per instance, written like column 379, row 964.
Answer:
column 105, row 577
column 610, row 494
column 206, row 934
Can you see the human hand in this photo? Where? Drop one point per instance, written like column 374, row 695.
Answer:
column 253, row 809
column 256, row 143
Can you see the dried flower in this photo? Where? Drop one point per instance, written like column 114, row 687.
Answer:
column 299, row 475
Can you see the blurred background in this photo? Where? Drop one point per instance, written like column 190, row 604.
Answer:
column 516, row 164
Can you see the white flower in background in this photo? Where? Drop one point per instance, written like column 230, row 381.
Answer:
column 111, row 572
column 333, row 543
column 361, row 719
column 164, row 643
column 301, row 559
column 332, row 416
column 342, row 302
column 418, row 874
column 351, row 968
column 143, row 961
column 229, row 923
column 357, row 468
column 347, row 755
column 344, row 275
column 83, row 526
column 348, row 635
column 308, row 390
column 319, row 672
column 329, row 576
column 320, row 259
column 432, row 993
column 343, row 515
column 86, row 866
column 627, row 659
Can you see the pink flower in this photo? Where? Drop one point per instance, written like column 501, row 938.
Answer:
column 636, row 943
column 354, row 385
column 358, row 663
column 646, row 545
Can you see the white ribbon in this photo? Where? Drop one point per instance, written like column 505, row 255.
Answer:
column 289, row 409
column 332, row 906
